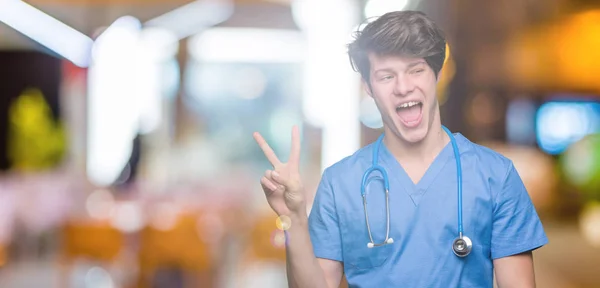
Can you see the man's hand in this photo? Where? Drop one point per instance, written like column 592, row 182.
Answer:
column 282, row 185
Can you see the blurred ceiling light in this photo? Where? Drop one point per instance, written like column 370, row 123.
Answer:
column 121, row 34
column 331, row 89
column 247, row 45
column 46, row 30
column 125, row 96
column 158, row 44
column 113, row 118
column 376, row 8
column 156, row 47
column 194, row 17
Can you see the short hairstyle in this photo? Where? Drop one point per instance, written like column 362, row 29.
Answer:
column 398, row 33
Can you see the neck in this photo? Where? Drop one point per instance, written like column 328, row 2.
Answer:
column 423, row 151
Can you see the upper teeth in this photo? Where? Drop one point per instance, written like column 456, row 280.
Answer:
column 409, row 104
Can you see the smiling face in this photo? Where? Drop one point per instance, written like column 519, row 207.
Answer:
column 404, row 90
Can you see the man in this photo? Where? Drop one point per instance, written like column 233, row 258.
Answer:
column 399, row 57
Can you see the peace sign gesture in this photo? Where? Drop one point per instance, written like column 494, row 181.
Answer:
column 282, row 185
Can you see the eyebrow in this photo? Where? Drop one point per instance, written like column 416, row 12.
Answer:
column 383, row 70
column 415, row 64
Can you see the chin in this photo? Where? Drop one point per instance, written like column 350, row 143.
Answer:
column 413, row 135
column 410, row 135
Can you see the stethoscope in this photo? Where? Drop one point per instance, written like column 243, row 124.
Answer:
column 461, row 246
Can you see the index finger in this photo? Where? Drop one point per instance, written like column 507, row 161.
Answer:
column 295, row 153
column 269, row 153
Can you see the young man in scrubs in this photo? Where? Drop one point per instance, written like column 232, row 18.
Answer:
column 399, row 57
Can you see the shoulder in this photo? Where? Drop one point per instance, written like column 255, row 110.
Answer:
column 490, row 163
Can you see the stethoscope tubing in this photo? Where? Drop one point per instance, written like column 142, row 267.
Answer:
column 461, row 241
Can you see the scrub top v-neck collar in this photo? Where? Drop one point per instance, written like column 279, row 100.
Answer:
column 398, row 175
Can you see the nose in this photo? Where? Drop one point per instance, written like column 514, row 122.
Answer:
column 404, row 86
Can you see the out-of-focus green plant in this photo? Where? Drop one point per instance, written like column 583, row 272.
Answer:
column 581, row 166
column 36, row 141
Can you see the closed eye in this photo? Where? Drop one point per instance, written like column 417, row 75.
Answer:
column 417, row 71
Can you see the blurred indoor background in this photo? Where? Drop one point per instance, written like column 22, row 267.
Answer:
column 126, row 149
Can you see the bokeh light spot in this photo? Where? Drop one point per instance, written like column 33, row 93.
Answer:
column 589, row 223
column 283, row 222
column 278, row 239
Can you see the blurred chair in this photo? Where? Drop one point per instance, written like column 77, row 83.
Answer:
column 97, row 241
column 178, row 249
column 3, row 255
column 266, row 243
column 262, row 260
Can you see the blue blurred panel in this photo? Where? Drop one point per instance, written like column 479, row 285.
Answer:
column 520, row 122
column 561, row 123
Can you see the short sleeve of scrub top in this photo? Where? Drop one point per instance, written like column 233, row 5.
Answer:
column 516, row 227
column 323, row 223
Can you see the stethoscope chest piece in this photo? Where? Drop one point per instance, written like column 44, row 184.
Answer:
column 462, row 246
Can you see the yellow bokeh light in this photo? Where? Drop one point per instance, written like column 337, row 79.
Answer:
column 283, row 222
column 560, row 55
column 589, row 223
column 445, row 76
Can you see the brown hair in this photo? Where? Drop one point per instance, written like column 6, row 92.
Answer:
column 399, row 33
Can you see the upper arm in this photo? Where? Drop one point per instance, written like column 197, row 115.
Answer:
column 325, row 234
column 515, row 271
column 516, row 226
column 323, row 224
column 333, row 271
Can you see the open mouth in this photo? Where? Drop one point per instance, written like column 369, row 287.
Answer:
column 410, row 113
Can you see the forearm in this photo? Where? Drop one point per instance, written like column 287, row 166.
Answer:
column 303, row 269
column 515, row 271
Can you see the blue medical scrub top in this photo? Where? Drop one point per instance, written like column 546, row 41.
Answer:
column 498, row 216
